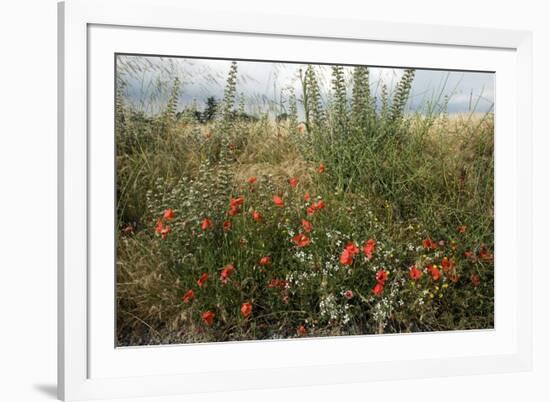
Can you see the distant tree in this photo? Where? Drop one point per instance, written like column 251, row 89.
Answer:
column 282, row 117
column 210, row 109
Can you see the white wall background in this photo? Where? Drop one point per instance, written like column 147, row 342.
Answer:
column 28, row 199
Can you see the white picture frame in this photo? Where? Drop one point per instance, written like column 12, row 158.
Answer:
column 89, row 365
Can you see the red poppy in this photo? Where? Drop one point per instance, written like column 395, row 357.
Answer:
column 277, row 283
column 206, row 223
column 128, row 230
column 233, row 211
column 476, row 280
column 429, row 244
column 470, row 255
column 434, row 272
column 301, row 240
column 378, row 289
column 169, row 214
column 208, row 317
column 415, row 273
column 321, row 168
column 265, row 260
column 447, row 264
column 226, row 273
column 381, row 276
column 348, row 294
column 346, row 258
column 235, row 202
column 278, row 201
column 188, row 296
column 462, row 229
column 203, row 278
column 315, row 207
column 352, row 248
column 307, row 197
column 484, row 254
column 257, row 216
column 307, row 226
column 165, row 231
column 252, row 180
column 246, row 309
column 159, row 226
column 319, row 205
column 293, row 182
column 302, row 330
column 369, row 248
column 453, row 278
column 227, row 225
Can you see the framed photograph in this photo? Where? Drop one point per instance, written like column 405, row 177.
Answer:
column 253, row 201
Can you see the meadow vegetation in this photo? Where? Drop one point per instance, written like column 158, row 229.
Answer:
column 360, row 219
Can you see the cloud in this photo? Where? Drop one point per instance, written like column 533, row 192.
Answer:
column 265, row 85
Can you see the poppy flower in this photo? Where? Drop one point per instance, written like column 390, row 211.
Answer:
column 159, row 226
column 307, row 226
column 277, row 283
column 378, row 289
column 302, row 330
column 434, row 272
column 301, row 240
column 307, row 197
column 188, row 296
column 429, row 244
column 169, row 214
column 265, row 260
column 226, row 273
column 447, row 264
column 203, row 278
column 206, row 223
column 475, row 279
column 233, row 211
column 278, row 201
column 461, row 229
column 348, row 294
column 293, row 182
column 453, row 278
column 369, row 248
column 319, row 205
column 128, row 230
column 251, row 180
column 235, row 202
column 352, row 248
column 321, row 168
column 165, row 231
column 415, row 273
column 257, row 216
column 208, row 318
column 315, row 207
column 227, row 225
column 484, row 254
column 381, row 276
column 346, row 258
column 246, row 309
column 470, row 255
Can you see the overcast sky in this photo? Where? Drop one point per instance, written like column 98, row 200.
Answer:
column 263, row 84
